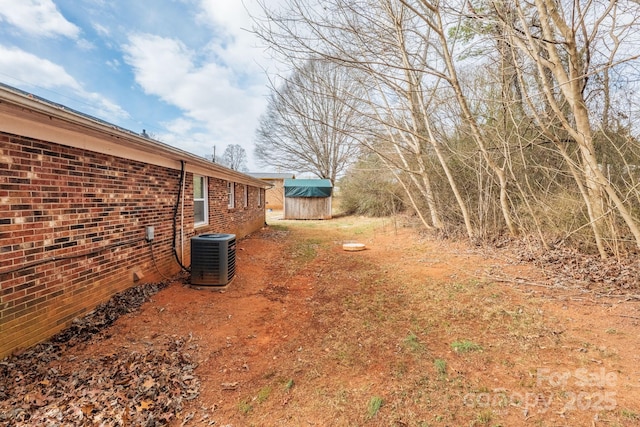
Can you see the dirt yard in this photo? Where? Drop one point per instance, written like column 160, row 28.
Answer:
column 409, row 332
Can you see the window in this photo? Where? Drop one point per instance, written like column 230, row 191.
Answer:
column 259, row 197
column 231, row 197
column 200, row 205
column 246, row 196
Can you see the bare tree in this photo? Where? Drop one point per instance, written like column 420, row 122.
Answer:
column 235, row 157
column 309, row 122
column 393, row 52
column 509, row 132
column 561, row 46
column 370, row 189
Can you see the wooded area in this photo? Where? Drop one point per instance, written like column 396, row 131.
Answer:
column 494, row 117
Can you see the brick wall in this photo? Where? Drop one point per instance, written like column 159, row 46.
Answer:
column 72, row 226
column 239, row 220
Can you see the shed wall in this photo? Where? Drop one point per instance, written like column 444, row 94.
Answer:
column 89, row 212
column 307, row 208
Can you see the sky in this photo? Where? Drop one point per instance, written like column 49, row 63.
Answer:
column 186, row 71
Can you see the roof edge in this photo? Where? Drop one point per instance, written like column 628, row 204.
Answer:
column 36, row 104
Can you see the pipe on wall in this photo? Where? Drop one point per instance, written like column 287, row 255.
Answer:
column 180, row 198
column 182, row 217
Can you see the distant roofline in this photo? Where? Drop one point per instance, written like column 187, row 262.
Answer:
column 266, row 175
column 308, row 182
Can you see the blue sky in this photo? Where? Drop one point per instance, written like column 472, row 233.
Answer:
column 186, row 71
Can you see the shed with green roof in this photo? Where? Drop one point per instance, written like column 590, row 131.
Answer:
column 307, row 198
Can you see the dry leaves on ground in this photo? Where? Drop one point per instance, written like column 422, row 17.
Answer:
column 566, row 266
column 143, row 385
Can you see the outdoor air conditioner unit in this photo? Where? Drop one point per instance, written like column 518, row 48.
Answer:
column 213, row 259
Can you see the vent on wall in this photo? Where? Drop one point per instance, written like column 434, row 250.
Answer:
column 213, row 259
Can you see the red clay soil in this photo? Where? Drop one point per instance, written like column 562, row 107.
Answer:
column 409, row 332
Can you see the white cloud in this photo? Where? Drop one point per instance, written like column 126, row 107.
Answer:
column 197, row 143
column 37, row 17
column 207, row 93
column 219, row 85
column 102, row 107
column 26, row 67
column 207, row 67
column 179, row 126
column 101, row 30
column 159, row 63
column 113, row 64
column 239, row 46
column 224, row 12
column 19, row 67
column 85, row 45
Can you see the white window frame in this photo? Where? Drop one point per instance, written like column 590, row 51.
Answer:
column 259, row 197
column 204, row 200
column 246, row 196
column 231, row 194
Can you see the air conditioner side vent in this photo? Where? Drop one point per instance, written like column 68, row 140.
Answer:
column 213, row 259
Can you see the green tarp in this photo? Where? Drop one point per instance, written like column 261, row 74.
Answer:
column 307, row 188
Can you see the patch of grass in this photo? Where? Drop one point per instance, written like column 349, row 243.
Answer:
column 361, row 225
column 245, row 407
column 375, row 403
column 465, row 346
column 523, row 324
column 305, row 250
column 391, row 323
column 263, row 394
column 455, row 288
column 606, row 352
column 484, row 418
column 441, row 367
column 278, row 227
column 411, row 342
column 341, row 397
column 629, row 414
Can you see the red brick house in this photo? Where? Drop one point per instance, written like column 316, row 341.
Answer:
column 77, row 196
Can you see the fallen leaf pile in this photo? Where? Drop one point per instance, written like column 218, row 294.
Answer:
column 106, row 313
column 569, row 267
column 142, row 386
